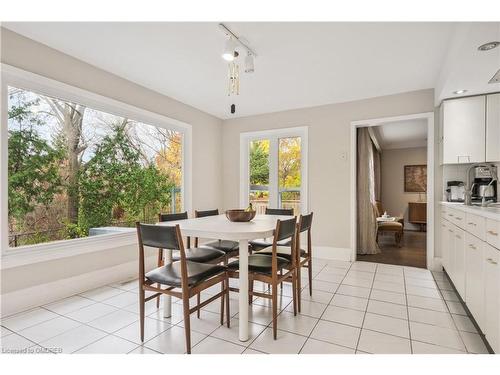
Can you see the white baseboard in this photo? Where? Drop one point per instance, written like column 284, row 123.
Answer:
column 24, row 299
column 332, row 253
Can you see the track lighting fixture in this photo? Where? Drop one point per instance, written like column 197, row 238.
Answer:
column 230, row 55
column 249, row 66
column 229, row 49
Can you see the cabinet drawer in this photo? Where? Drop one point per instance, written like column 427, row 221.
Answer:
column 456, row 217
column 476, row 225
column 493, row 233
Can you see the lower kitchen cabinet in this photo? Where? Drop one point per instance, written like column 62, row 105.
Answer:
column 491, row 327
column 474, row 277
column 459, row 261
column 471, row 258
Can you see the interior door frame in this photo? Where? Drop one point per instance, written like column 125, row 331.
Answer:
column 273, row 135
column 432, row 262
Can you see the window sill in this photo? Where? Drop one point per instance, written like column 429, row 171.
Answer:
column 25, row 255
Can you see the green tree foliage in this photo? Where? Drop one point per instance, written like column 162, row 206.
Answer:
column 114, row 178
column 259, row 163
column 33, row 165
column 289, row 162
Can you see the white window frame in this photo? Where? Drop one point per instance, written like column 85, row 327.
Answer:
column 273, row 136
column 12, row 76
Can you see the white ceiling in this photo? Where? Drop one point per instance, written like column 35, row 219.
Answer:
column 402, row 134
column 299, row 64
column 464, row 66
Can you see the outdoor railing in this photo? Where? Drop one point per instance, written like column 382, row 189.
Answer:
column 260, row 205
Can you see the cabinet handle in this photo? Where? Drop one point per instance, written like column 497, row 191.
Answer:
column 472, row 224
column 458, row 218
column 449, row 230
column 472, row 247
column 456, row 235
column 493, row 233
column 451, row 215
column 491, row 261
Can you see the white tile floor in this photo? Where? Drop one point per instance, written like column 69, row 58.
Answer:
column 355, row 308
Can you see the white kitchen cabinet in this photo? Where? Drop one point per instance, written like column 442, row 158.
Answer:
column 445, row 253
column 492, row 297
column 459, row 261
column 474, row 277
column 493, row 127
column 464, row 130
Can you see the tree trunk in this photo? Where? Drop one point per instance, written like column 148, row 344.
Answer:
column 70, row 119
column 73, row 120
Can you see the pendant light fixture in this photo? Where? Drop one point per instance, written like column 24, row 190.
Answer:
column 230, row 54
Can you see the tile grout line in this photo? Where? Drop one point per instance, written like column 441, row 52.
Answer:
column 453, row 320
column 364, row 316
column 251, row 341
column 329, row 302
column 407, row 311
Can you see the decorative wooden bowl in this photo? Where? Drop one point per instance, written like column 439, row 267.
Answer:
column 240, row 215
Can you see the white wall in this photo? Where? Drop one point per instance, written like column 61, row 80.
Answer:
column 394, row 199
column 32, row 56
column 329, row 144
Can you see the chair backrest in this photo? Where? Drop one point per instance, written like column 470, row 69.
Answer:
column 160, row 236
column 305, row 222
column 379, row 209
column 172, row 217
column 284, row 229
column 279, row 211
column 163, row 237
column 206, row 213
column 304, row 225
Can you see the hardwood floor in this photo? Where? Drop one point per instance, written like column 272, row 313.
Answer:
column 411, row 253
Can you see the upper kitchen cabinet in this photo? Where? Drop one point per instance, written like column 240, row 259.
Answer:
column 493, row 127
column 464, row 130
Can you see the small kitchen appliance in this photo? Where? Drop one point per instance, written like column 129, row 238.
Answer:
column 455, row 191
column 484, row 185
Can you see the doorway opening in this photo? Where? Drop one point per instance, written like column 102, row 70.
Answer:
column 392, row 192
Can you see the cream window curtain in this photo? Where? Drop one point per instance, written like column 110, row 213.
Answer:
column 368, row 165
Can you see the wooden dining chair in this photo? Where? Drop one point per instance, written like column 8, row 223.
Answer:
column 182, row 278
column 230, row 248
column 193, row 254
column 272, row 270
column 260, row 244
column 304, row 257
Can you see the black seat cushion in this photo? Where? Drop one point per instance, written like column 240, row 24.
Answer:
column 261, row 244
column 281, row 251
column 223, row 245
column 196, row 272
column 260, row 263
column 199, row 254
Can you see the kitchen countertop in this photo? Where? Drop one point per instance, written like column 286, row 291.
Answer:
column 488, row 212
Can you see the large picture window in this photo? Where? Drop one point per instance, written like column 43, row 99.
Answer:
column 74, row 171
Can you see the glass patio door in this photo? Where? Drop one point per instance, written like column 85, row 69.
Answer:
column 273, row 170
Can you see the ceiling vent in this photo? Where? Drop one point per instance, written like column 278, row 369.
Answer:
column 495, row 78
